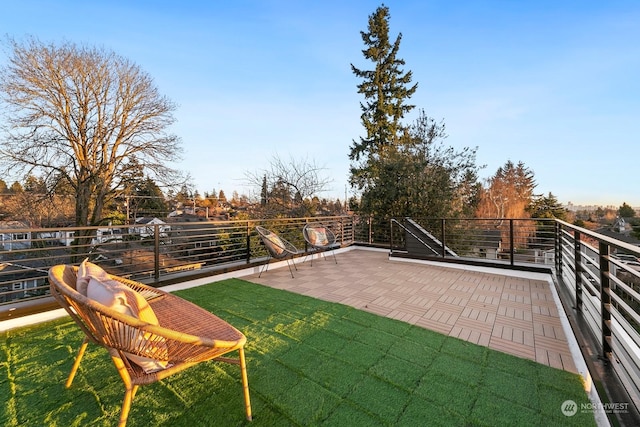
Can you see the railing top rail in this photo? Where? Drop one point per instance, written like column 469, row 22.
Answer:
column 601, row 237
column 206, row 221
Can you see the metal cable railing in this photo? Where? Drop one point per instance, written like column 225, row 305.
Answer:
column 601, row 279
column 506, row 241
column 151, row 252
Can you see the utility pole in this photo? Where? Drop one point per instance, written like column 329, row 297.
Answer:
column 126, row 203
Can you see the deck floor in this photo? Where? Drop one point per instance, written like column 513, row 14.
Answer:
column 512, row 314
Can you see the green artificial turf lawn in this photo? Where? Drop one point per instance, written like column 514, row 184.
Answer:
column 310, row 362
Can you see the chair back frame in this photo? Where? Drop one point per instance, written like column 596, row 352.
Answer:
column 331, row 244
column 277, row 248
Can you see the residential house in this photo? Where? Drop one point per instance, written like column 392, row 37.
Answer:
column 14, row 235
column 19, row 281
column 108, row 235
column 489, row 244
column 145, row 227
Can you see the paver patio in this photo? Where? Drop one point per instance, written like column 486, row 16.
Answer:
column 508, row 312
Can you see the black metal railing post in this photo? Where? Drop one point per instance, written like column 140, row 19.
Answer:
column 605, row 299
column 512, row 252
column 248, row 240
column 156, row 252
column 391, row 236
column 443, row 237
column 577, row 255
column 558, row 249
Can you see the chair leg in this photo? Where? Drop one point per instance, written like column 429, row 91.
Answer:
column 130, row 388
column 134, row 391
column 126, row 406
column 245, row 384
column 264, row 268
column 315, row 252
column 289, row 265
column 76, row 363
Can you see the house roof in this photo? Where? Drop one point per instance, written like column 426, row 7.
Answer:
column 127, row 262
column 624, row 237
column 13, row 225
column 149, row 220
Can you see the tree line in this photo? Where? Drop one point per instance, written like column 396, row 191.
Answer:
column 29, row 202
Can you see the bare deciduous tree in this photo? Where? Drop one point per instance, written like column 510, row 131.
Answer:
column 508, row 194
column 38, row 210
column 289, row 184
column 83, row 117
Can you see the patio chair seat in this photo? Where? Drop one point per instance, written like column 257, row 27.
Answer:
column 320, row 239
column 184, row 336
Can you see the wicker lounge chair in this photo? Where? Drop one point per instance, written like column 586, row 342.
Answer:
column 278, row 248
column 184, row 335
column 320, row 239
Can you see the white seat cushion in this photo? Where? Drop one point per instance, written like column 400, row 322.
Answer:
column 86, row 270
column 125, row 300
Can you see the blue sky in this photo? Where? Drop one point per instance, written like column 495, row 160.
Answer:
column 553, row 84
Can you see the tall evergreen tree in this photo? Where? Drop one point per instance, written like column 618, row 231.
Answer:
column 547, row 207
column 404, row 170
column 626, row 211
column 152, row 200
column 386, row 89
